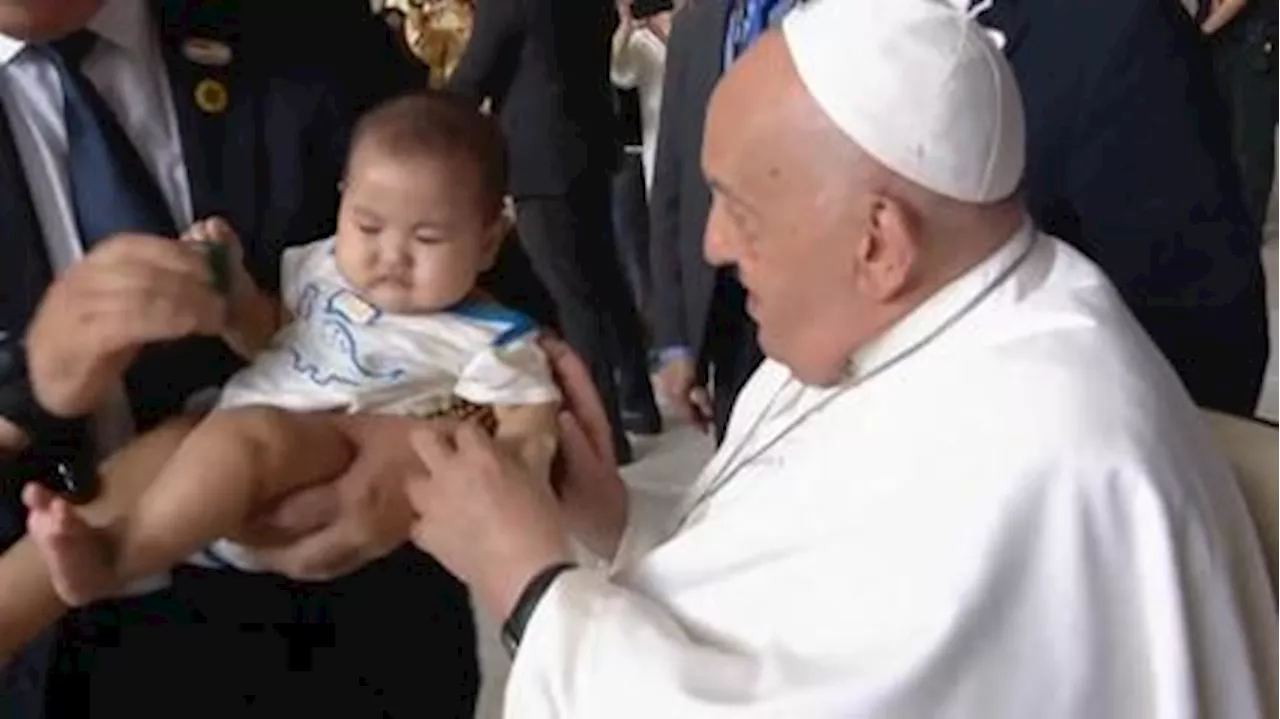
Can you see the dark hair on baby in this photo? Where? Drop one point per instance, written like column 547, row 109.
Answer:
column 440, row 125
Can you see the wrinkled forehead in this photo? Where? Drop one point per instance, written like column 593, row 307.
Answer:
column 748, row 117
column 765, row 132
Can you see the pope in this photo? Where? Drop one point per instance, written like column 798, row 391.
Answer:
column 965, row 483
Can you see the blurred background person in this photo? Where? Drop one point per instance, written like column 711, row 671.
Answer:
column 1242, row 39
column 544, row 66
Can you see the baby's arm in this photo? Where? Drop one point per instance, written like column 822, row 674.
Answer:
column 254, row 316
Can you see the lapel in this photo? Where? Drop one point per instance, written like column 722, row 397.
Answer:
column 1012, row 19
column 24, row 266
column 220, row 147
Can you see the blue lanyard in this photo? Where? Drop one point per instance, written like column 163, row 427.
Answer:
column 749, row 22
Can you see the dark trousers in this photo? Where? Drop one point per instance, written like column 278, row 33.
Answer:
column 631, row 223
column 395, row 639
column 570, row 242
column 731, row 349
column 1244, row 57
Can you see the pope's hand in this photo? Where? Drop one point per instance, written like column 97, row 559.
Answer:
column 483, row 516
column 128, row 291
column 332, row 529
column 593, row 499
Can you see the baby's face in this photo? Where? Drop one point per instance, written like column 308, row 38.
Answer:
column 411, row 234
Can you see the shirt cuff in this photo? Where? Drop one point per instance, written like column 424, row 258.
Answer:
column 672, row 353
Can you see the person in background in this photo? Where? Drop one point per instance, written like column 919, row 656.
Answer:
column 636, row 65
column 701, row 326
column 1130, row 160
column 544, row 65
column 964, row 484
column 639, row 56
column 123, row 120
column 1242, row 40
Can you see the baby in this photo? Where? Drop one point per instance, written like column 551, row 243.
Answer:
column 384, row 317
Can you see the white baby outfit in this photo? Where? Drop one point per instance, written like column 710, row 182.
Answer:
column 341, row 353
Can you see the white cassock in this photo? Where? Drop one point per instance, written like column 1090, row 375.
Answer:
column 1012, row 510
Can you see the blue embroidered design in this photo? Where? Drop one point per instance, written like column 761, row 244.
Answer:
column 307, row 301
column 335, row 333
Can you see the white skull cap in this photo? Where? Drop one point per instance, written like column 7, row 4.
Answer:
column 919, row 86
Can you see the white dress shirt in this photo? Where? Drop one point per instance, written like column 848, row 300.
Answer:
column 1010, row 509
column 639, row 57
column 127, row 68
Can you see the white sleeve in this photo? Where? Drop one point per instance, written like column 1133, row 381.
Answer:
column 594, row 649
column 624, row 70
column 513, row 373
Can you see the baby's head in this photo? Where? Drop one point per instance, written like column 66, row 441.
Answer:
column 422, row 202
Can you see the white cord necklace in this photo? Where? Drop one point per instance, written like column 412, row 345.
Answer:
column 730, row 467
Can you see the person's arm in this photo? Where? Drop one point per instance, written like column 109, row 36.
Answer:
column 253, row 316
column 624, row 59
column 489, row 61
column 664, row 196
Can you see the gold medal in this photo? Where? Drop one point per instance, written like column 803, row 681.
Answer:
column 211, row 96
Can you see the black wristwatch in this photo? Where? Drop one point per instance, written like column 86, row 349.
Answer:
column 56, row 454
column 513, row 628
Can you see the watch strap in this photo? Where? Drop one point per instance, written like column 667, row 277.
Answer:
column 513, row 628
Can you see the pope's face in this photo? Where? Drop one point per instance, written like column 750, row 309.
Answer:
column 45, row 19
column 777, row 219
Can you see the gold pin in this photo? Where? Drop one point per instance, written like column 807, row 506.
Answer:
column 211, row 96
column 203, row 51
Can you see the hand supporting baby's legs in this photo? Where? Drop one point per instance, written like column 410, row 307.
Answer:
column 234, row 461
column 29, row 603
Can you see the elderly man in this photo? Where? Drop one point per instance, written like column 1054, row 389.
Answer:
column 965, row 484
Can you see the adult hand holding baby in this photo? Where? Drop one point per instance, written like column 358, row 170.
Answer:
column 129, row 290
column 331, row 529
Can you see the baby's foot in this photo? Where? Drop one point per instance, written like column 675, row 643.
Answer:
column 76, row 554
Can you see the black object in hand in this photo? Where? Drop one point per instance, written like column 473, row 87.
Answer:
column 74, row 477
column 217, row 255
column 641, row 9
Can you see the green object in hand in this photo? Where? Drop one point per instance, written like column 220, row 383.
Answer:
column 217, row 255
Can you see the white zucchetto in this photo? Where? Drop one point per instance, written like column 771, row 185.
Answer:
column 919, row 86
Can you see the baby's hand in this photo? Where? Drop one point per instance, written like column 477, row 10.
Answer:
column 216, row 229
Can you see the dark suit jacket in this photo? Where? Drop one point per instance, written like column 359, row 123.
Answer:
column 271, row 163
column 1128, row 159
column 545, row 66
column 679, row 200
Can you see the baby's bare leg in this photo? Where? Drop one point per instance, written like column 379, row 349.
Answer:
column 29, row 603
column 234, row 461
